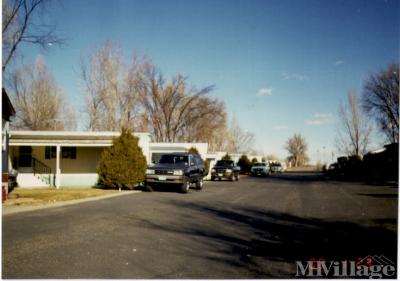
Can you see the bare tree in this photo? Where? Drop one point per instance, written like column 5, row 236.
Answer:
column 381, row 100
column 238, row 140
column 219, row 140
column 297, row 148
column 271, row 157
column 171, row 109
column 39, row 102
column 206, row 120
column 354, row 131
column 136, row 96
column 20, row 26
column 112, row 88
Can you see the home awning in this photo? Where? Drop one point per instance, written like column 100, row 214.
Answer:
column 64, row 138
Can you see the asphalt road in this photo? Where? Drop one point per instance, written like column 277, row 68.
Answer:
column 254, row 228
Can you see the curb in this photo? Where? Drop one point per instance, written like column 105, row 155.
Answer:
column 9, row 210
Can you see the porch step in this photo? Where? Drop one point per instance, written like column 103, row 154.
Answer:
column 30, row 180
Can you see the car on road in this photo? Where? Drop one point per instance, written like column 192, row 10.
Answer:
column 179, row 169
column 225, row 169
column 260, row 169
column 277, row 168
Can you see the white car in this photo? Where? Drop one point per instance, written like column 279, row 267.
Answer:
column 277, row 167
column 260, row 169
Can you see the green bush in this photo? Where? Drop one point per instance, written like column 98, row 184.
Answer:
column 254, row 160
column 194, row 150
column 122, row 165
column 244, row 164
column 226, row 157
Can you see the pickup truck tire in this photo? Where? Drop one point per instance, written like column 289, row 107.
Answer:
column 212, row 178
column 237, row 177
column 148, row 188
column 185, row 186
column 199, row 184
column 233, row 178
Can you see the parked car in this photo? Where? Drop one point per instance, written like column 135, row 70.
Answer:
column 260, row 169
column 12, row 179
column 179, row 169
column 277, row 167
column 225, row 169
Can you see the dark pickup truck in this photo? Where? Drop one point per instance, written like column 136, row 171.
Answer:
column 225, row 169
column 179, row 169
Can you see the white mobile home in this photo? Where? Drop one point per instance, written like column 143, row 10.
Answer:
column 7, row 111
column 55, row 158
column 159, row 148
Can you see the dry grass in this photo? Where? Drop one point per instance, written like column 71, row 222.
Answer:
column 29, row 196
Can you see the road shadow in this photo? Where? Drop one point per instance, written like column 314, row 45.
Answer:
column 261, row 241
column 299, row 177
column 319, row 176
column 391, row 184
column 167, row 188
column 380, row 195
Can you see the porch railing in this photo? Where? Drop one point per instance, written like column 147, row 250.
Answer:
column 43, row 171
column 40, row 167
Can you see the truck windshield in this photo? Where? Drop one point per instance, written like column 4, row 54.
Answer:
column 174, row 159
column 228, row 163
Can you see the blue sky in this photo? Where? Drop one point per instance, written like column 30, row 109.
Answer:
column 282, row 67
